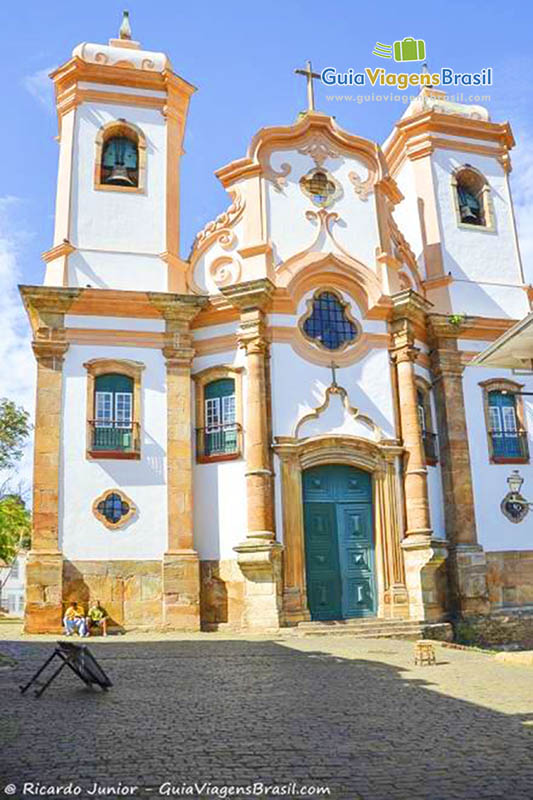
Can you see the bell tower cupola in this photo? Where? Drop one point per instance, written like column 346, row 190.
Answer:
column 122, row 113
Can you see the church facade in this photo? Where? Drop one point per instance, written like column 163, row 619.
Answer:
column 284, row 427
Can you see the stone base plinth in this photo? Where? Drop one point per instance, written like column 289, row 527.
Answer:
column 295, row 606
column 130, row 591
column 425, row 577
column 181, row 591
column 468, row 579
column 396, row 602
column 260, row 563
column 44, row 588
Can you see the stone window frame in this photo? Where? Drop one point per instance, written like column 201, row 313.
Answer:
column 131, row 369
column 349, row 316
column 113, row 526
column 485, row 196
column 498, row 385
column 331, row 198
column 201, row 380
column 425, row 387
column 120, row 127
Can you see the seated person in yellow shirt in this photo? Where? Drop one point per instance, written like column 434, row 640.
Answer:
column 74, row 620
column 97, row 616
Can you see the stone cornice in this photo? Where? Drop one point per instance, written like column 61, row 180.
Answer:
column 250, row 294
column 411, row 305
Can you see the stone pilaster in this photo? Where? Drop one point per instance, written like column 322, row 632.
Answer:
column 44, row 567
column 467, row 563
column 259, row 556
column 409, row 307
column 424, row 556
column 180, row 566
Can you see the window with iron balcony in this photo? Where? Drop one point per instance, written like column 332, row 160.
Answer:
column 113, row 404
column 218, row 414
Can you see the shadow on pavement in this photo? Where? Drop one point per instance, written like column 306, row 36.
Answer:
column 239, row 712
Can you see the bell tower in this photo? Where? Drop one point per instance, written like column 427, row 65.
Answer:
column 452, row 164
column 122, row 113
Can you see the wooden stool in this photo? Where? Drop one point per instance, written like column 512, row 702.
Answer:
column 424, row 653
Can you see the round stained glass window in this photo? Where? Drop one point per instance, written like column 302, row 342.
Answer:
column 328, row 323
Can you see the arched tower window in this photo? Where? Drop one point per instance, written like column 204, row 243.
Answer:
column 120, row 157
column 472, row 197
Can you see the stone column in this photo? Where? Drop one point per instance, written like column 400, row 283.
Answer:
column 259, row 556
column 295, row 606
column 467, row 564
column 423, row 554
column 180, row 566
column 44, row 567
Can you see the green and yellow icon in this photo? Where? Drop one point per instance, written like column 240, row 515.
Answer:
column 407, row 49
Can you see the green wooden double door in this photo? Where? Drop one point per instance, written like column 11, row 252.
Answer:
column 339, row 542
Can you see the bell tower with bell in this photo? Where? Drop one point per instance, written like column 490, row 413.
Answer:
column 122, row 113
column 452, row 164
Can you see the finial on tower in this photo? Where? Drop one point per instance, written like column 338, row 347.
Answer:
column 125, row 28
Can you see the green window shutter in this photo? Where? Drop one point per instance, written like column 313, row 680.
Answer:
column 113, row 383
column 113, row 412
column 220, row 423
column 221, row 388
column 504, row 425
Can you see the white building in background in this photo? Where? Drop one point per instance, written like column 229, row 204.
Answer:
column 285, row 426
column 12, row 583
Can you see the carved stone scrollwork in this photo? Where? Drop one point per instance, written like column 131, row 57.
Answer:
column 277, row 179
column 362, row 188
column 219, row 229
column 318, row 148
column 225, row 271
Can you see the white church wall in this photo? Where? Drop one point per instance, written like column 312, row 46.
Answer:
column 494, row 531
column 299, row 386
column 291, row 232
column 82, row 536
column 114, row 323
column 104, row 270
column 486, row 300
column 482, row 256
column 219, row 489
column 116, row 221
column 407, row 213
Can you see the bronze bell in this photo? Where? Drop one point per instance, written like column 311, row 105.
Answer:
column 119, row 176
column 467, row 215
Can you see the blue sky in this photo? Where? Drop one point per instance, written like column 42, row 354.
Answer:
column 241, row 56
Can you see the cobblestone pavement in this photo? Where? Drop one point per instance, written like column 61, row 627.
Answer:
column 353, row 715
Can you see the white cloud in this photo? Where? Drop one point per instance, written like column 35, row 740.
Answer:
column 41, row 87
column 17, row 378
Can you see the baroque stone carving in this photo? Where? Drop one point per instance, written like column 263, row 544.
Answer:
column 318, row 148
column 362, row 188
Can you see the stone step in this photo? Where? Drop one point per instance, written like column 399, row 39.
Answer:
column 375, row 629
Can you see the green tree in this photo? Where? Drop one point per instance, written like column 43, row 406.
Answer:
column 14, row 430
column 15, row 526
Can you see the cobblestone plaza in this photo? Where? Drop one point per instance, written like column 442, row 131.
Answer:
column 355, row 716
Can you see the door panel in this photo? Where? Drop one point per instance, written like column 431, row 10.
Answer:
column 356, row 559
column 339, row 542
column 322, row 561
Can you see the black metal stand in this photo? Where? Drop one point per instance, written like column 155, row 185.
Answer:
column 80, row 660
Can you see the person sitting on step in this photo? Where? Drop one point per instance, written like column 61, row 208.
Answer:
column 74, row 620
column 97, row 617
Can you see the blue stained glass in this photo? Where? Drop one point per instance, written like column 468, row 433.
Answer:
column 328, row 323
column 113, row 508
